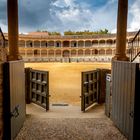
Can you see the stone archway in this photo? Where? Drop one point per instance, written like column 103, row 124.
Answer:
column 66, row 56
column 66, row 53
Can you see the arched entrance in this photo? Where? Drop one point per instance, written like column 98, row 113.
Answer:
column 66, row 55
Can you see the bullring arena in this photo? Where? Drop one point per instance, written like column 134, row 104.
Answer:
column 54, row 54
column 41, row 47
column 65, row 79
column 109, row 98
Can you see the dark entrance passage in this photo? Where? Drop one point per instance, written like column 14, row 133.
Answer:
column 66, row 56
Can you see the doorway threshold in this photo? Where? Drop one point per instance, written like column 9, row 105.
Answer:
column 60, row 104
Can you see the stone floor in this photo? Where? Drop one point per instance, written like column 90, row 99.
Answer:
column 68, row 123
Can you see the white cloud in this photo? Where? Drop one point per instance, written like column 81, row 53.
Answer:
column 80, row 16
column 64, row 3
column 134, row 24
column 74, row 16
column 3, row 27
column 62, row 15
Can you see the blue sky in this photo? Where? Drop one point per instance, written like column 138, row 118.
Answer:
column 75, row 15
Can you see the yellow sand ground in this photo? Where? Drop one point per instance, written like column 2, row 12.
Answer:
column 65, row 79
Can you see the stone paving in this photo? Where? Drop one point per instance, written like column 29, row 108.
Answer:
column 68, row 123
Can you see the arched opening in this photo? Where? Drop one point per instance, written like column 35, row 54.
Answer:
column 29, row 53
column 22, row 52
column 58, row 53
column 73, row 53
column 95, row 51
column 109, row 42
column 66, row 43
column 51, row 53
column 102, row 42
column 37, row 44
column 109, row 51
column 101, row 51
column 66, row 53
column 73, row 43
column 87, row 52
column 94, row 42
column 29, row 43
column 44, row 44
column 43, row 53
column 58, row 44
column 36, row 53
column 50, row 44
column 80, row 52
column 21, row 43
column 81, row 43
column 88, row 43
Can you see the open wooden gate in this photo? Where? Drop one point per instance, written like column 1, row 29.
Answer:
column 37, row 87
column 14, row 109
column 90, row 89
column 93, row 87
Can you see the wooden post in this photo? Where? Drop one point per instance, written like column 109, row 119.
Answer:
column 121, row 31
column 12, row 10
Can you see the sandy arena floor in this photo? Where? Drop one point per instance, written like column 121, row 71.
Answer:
column 65, row 79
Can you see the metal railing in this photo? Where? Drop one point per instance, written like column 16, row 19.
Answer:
column 134, row 47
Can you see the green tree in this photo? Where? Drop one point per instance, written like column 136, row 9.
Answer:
column 86, row 32
column 54, row 33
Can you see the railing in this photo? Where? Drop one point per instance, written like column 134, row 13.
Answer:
column 134, row 47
